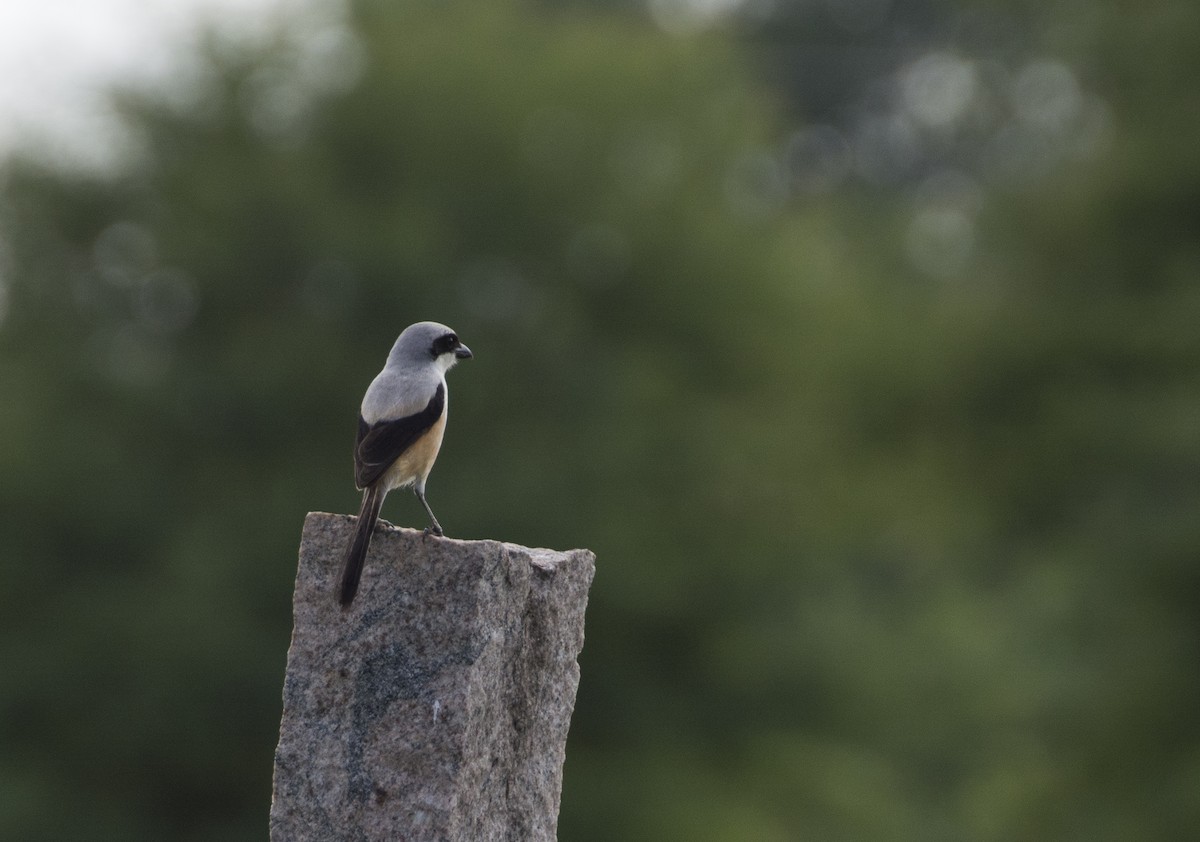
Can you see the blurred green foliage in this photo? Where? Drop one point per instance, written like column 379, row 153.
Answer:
column 881, row 556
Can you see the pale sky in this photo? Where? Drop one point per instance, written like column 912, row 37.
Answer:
column 56, row 56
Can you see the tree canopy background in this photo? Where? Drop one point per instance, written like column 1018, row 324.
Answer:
column 859, row 340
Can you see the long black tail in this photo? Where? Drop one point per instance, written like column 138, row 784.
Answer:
column 356, row 553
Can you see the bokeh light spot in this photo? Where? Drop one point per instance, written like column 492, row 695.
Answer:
column 124, row 252
column 938, row 89
column 684, row 17
column 1045, row 94
column 940, row 240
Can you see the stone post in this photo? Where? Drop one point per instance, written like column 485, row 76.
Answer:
column 436, row 706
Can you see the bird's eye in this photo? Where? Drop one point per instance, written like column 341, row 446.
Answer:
column 451, row 340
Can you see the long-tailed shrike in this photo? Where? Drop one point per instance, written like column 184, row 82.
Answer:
column 400, row 429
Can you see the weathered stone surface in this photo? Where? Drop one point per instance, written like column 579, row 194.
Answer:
column 436, row 706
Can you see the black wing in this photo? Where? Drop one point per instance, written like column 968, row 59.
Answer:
column 379, row 445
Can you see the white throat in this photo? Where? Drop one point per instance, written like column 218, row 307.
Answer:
column 445, row 362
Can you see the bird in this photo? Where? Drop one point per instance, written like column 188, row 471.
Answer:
column 400, row 427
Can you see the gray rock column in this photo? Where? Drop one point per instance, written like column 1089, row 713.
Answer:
column 436, row 706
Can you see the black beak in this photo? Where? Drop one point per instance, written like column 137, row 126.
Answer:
column 463, row 352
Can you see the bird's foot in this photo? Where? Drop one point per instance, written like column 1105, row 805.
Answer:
column 433, row 530
column 387, row 523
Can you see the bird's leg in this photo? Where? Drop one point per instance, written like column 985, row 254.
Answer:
column 434, row 527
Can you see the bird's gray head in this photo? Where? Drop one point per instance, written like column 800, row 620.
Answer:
column 427, row 342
